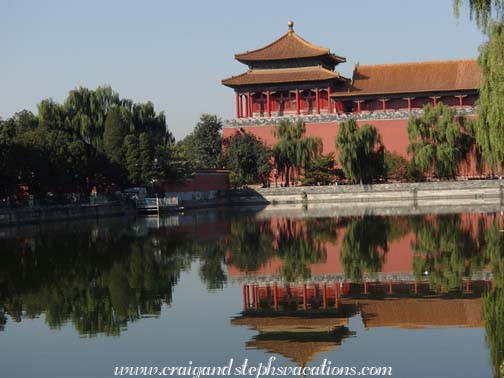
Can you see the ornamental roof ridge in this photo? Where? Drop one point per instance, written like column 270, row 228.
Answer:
column 289, row 46
column 421, row 62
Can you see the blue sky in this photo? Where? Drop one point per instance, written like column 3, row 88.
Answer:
column 175, row 53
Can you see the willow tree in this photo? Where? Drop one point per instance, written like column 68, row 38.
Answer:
column 361, row 152
column 437, row 141
column 294, row 149
column 490, row 127
column 489, row 16
column 482, row 11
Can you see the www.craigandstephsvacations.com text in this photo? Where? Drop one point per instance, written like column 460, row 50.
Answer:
column 268, row 369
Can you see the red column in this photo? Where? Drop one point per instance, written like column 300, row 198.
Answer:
column 305, row 294
column 268, row 103
column 435, row 100
column 468, row 286
column 358, row 106
column 257, row 297
column 298, row 105
column 416, row 287
column 384, row 106
column 329, row 107
column 254, row 298
column 324, row 296
column 336, row 294
column 240, row 103
column 275, row 296
column 237, row 105
column 365, row 287
column 317, row 100
column 409, row 104
column 390, row 287
column 461, row 100
column 247, row 104
column 245, row 297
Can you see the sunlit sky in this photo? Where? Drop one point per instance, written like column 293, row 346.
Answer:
column 175, row 53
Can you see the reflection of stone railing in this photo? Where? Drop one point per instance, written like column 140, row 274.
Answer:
column 326, row 118
column 383, row 277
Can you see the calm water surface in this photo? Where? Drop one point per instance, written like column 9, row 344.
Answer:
column 422, row 294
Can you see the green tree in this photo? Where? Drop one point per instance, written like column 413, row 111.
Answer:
column 116, row 128
column 483, row 11
column 133, row 162
column 361, row 152
column 490, row 123
column 204, row 144
column 396, row 166
column 248, row 158
column 320, row 171
column 437, row 141
column 294, row 149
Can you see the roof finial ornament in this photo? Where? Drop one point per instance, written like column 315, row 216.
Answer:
column 290, row 24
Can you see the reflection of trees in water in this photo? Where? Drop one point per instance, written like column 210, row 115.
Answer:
column 446, row 249
column 493, row 308
column 297, row 242
column 366, row 244
column 250, row 244
column 212, row 259
column 300, row 243
column 99, row 285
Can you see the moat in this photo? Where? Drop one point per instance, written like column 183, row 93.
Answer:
column 422, row 294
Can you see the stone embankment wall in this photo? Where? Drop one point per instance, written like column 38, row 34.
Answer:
column 465, row 193
column 60, row 213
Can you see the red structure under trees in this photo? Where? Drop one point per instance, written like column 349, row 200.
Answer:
column 291, row 77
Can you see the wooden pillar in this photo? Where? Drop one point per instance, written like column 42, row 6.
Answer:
column 416, row 287
column 461, row 100
column 390, row 287
column 257, row 297
column 358, row 102
column 384, row 104
column 268, row 103
column 468, row 286
column 298, row 104
column 240, row 103
column 409, row 104
column 336, row 294
column 245, row 297
column 237, row 105
column 317, row 100
column 254, row 299
column 365, row 287
column 324, row 296
column 329, row 104
column 305, row 294
column 247, row 104
column 434, row 100
column 275, row 296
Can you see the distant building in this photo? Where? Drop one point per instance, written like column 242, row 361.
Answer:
column 293, row 78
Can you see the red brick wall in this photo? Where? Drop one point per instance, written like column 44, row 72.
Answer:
column 394, row 134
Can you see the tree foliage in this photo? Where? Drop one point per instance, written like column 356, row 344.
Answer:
column 203, row 147
column 248, row 158
column 361, row 152
column 482, row 11
column 490, row 124
column 294, row 149
column 437, row 141
column 320, row 171
column 93, row 138
column 396, row 166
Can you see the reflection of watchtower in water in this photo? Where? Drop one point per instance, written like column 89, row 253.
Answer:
column 301, row 320
column 331, row 295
